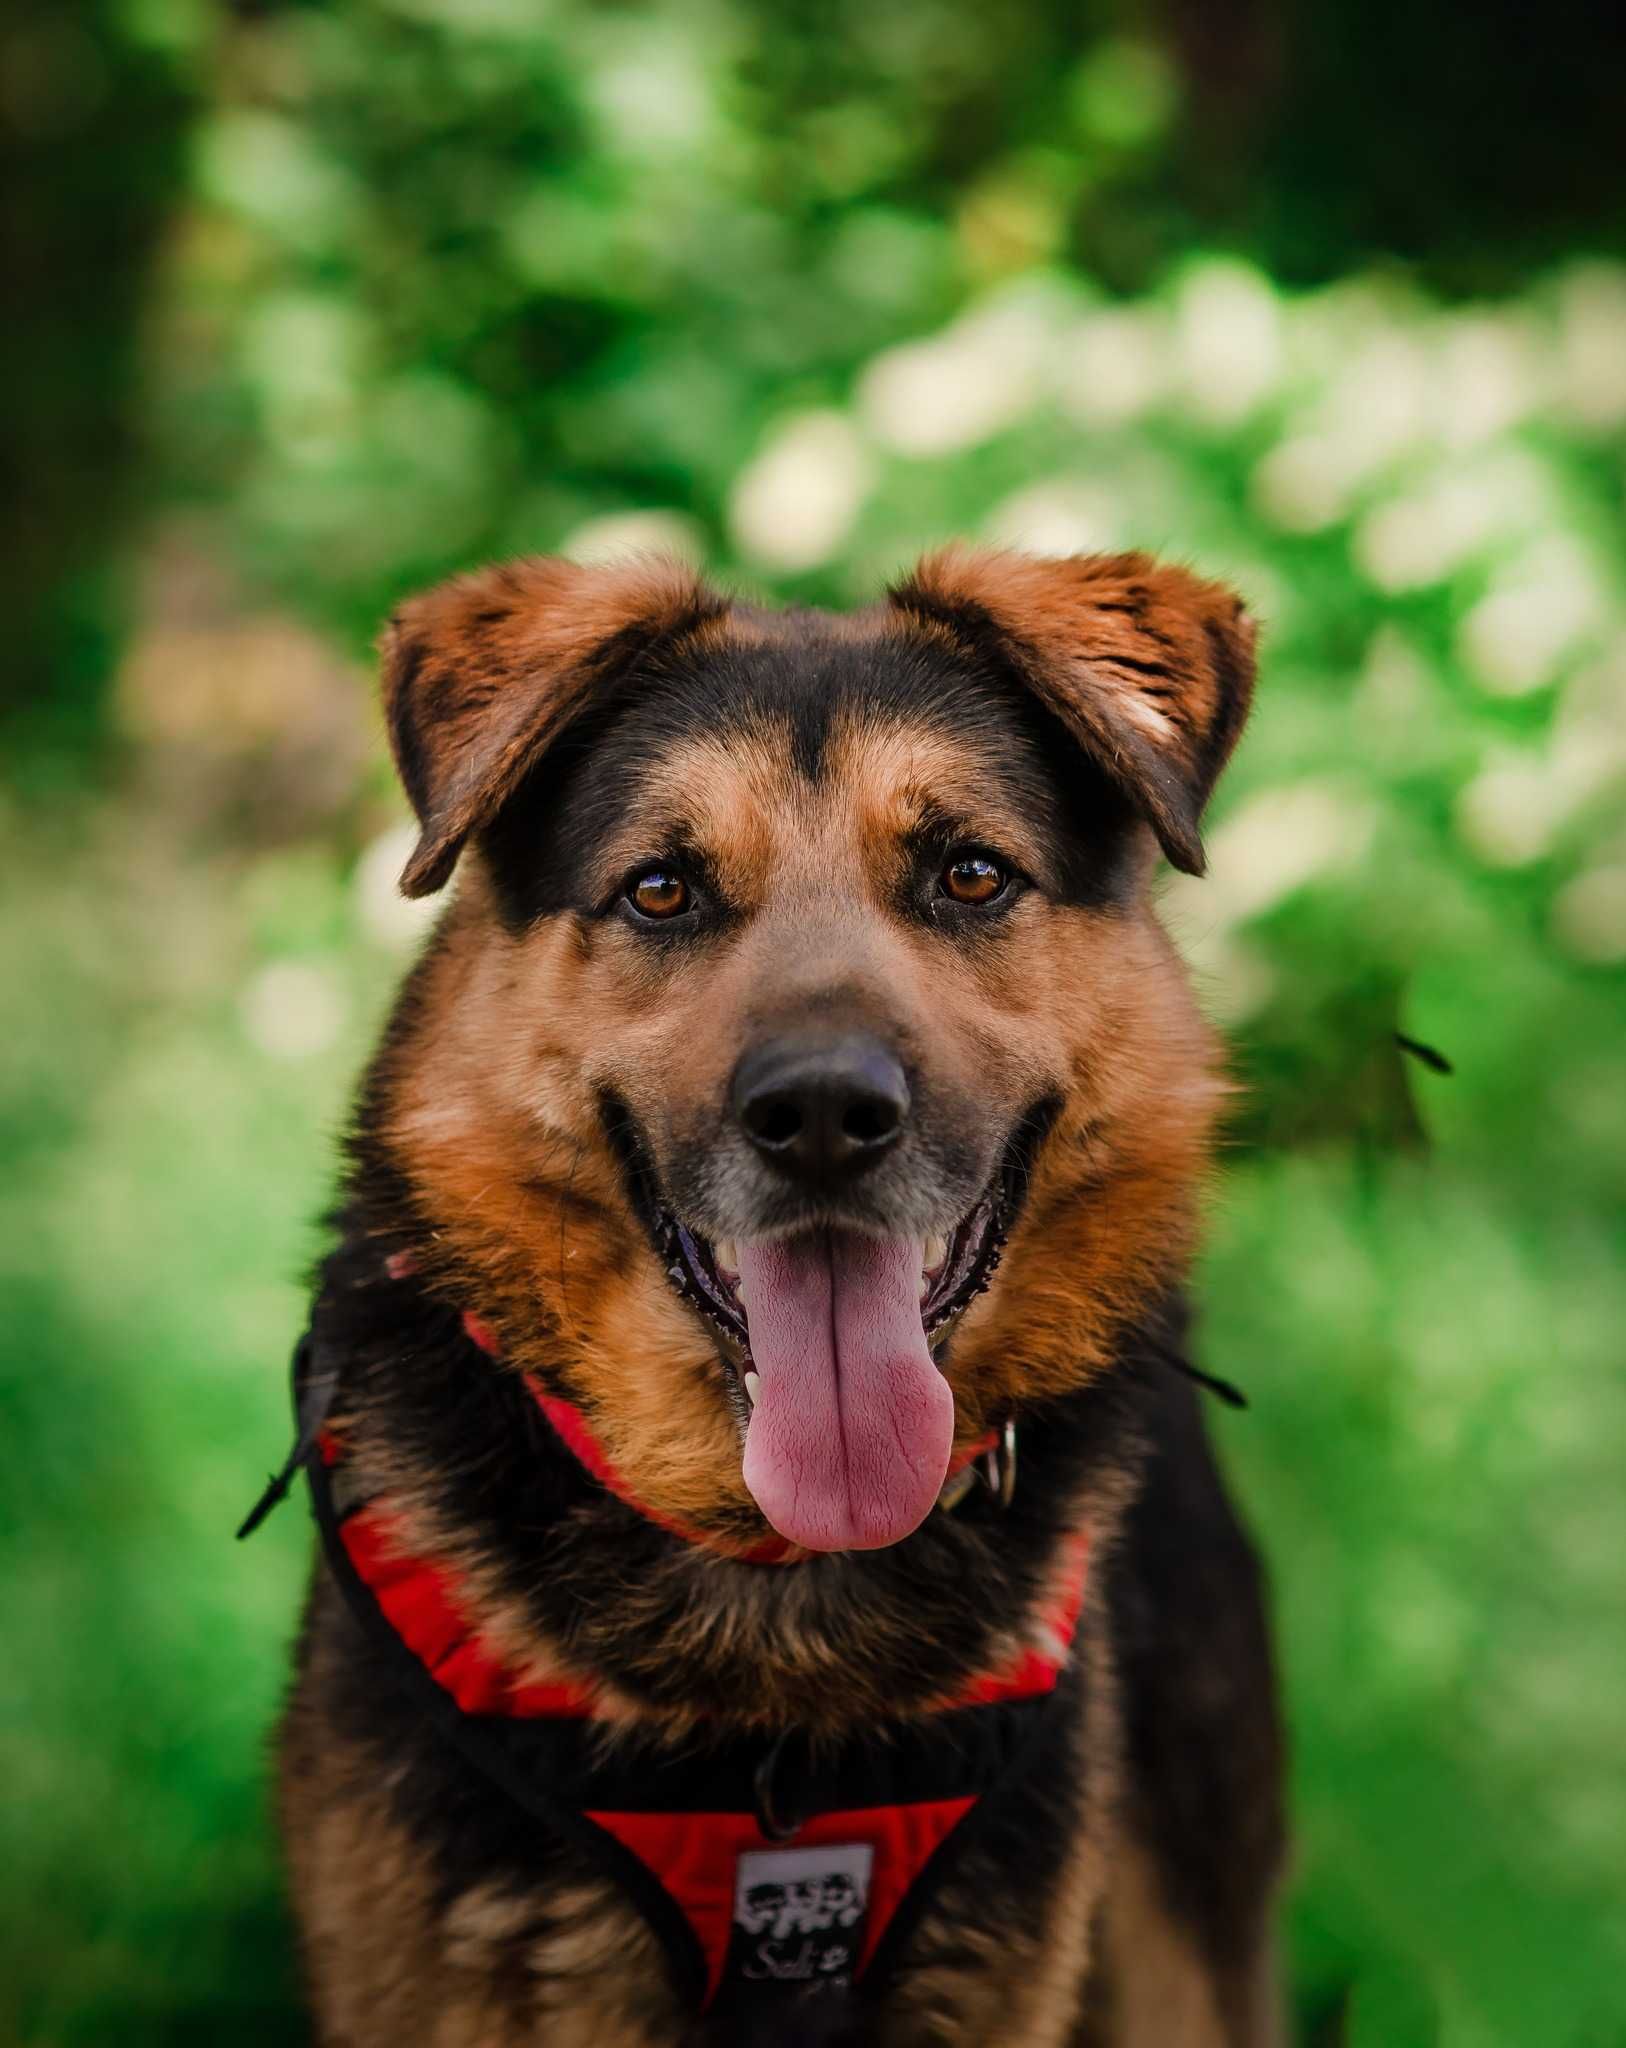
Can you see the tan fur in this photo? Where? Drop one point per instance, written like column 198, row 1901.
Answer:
column 1163, row 1996
column 1029, row 1993
column 1159, row 1991
column 492, row 1110
column 497, row 1969
column 387, row 1965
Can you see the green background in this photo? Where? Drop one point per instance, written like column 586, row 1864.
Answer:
column 314, row 304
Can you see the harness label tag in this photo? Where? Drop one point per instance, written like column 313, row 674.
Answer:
column 799, row 1918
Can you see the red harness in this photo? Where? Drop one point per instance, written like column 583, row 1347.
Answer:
column 760, row 1913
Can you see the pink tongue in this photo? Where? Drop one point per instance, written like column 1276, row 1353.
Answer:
column 850, row 1437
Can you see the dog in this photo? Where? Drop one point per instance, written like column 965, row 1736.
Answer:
column 775, row 1584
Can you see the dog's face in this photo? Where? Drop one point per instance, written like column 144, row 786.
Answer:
column 806, row 960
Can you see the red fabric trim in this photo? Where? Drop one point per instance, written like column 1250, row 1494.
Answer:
column 692, row 1855
column 572, row 1428
column 1034, row 1672
column 1029, row 1676
column 480, row 1332
column 576, row 1432
column 421, row 1603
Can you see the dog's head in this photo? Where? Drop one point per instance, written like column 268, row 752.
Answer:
column 800, row 963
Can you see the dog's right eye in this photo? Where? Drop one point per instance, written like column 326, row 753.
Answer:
column 658, row 893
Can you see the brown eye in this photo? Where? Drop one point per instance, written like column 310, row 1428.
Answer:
column 657, row 892
column 973, row 878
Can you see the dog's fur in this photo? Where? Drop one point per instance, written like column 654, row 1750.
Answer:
column 555, row 1074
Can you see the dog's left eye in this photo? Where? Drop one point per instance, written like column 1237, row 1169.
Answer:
column 973, row 878
column 658, row 893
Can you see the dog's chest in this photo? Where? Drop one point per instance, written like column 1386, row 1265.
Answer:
column 574, row 1967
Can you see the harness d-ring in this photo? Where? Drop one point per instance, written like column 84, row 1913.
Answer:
column 776, row 1826
column 994, row 1470
column 997, row 1468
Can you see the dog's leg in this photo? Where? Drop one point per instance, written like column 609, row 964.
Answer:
column 400, row 1953
column 1158, row 1989
column 1187, row 1926
column 387, row 1962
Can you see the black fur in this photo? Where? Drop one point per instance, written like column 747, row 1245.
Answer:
column 1202, row 1737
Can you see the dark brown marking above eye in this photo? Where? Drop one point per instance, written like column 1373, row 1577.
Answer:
column 658, row 892
column 973, row 878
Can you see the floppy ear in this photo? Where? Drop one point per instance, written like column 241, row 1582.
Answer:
column 1149, row 668
column 482, row 674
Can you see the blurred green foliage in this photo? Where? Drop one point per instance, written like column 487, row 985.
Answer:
column 346, row 297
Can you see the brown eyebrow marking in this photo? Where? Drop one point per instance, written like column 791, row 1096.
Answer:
column 715, row 798
column 906, row 776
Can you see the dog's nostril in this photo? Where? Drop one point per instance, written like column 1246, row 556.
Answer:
column 869, row 1122
column 775, row 1122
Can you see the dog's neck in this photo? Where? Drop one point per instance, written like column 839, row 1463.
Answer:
column 537, row 1239
column 572, row 1581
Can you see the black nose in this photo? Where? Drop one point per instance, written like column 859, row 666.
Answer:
column 821, row 1105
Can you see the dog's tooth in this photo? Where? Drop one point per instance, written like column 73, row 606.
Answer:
column 739, row 1293
column 934, row 1251
column 728, row 1255
column 753, row 1387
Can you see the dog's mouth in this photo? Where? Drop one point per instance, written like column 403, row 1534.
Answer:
column 828, row 1337
column 952, row 1271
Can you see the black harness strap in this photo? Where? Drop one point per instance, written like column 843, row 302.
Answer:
column 313, row 1403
